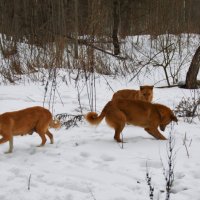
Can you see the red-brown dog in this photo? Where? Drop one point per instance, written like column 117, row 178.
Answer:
column 144, row 94
column 26, row 121
column 139, row 113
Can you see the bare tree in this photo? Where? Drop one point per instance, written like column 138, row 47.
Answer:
column 116, row 13
column 76, row 29
column 191, row 77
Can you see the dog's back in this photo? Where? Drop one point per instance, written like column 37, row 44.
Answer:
column 126, row 94
column 144, row 94
column 34, row 119
column 137, row 112
column 26, row 120
column 119, row 112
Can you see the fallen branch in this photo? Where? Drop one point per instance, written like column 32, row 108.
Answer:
column 167, row 86
column 68, row 120
column 86, row 43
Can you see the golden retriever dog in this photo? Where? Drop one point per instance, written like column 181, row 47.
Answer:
column 34, row 119
column 144, row 94
column 119, row 112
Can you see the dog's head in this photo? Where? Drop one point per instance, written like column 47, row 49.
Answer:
column 167, row 120
column 146, row 93
column 166, row 116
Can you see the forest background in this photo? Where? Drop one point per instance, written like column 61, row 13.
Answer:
column 66, row 33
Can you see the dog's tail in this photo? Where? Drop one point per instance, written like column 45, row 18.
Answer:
column 55, row 123
column 94, row 119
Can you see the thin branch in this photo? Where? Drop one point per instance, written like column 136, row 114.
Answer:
column 184, row 143
column 85, row 42
column 29, row 182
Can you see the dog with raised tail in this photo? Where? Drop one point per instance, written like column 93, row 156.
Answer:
column 120, row 112
column 34, row 119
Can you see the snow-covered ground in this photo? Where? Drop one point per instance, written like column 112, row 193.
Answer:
column 85, row 162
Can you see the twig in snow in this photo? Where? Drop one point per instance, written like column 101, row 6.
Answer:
column 148, row 179
column 29, row 182
column 184, row 143
column 169, row 172
column 122, row 141
column 91, row 193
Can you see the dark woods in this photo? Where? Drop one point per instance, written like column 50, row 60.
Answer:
column 41, row 21
column 80, row 33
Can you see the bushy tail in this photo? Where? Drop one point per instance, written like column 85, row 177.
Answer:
column 93, row 118
column 55, row 123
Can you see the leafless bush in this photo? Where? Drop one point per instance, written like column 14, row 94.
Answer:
column 149, row 183
column 188, row 108
column 69, row 120
column 170, row 48
column 8, row 48
column 168, row 169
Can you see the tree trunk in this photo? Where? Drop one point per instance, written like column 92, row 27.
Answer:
column 116, row 27
column 191, row 77
column 76, row 29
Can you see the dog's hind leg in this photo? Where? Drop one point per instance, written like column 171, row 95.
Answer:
column 155, row 133
column 118, row 131
column 41, row 129
column 116, row 119
column 41, row 133
column 50, row 136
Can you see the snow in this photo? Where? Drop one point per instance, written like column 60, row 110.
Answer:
column 85, row 162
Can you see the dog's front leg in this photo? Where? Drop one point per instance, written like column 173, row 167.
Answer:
column 5, row 139
column 155, row 133
column 10, row 150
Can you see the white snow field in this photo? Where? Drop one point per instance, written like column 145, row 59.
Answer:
column 85, row 162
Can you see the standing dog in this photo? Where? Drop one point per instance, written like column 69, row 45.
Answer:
column 139, row 113
column 144, row 94
column 26, row 121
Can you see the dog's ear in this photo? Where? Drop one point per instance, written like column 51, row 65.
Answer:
column 152, row 87
column 141, row 87
column 174, row 118
column 146, row 86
